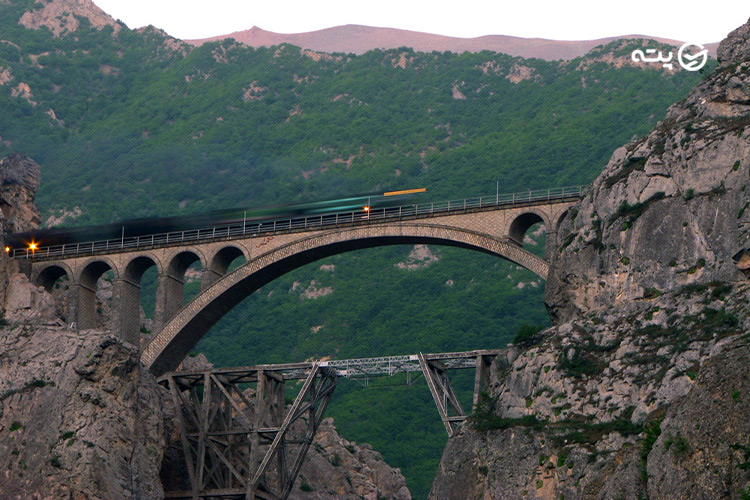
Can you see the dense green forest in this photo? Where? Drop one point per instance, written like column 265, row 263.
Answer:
column 137, row 124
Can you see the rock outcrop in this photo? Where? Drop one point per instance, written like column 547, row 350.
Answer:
column 19, row 181
column 79, row 417
column 337, row 469
column 641, row 387
column 684, row 185
column 61, row 16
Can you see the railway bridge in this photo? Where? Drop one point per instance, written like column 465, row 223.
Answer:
column 241, row 440
column 494, row 224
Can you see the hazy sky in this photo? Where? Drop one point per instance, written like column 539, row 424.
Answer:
column 689, row 20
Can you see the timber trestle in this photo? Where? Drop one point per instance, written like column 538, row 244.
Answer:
column 241, row 441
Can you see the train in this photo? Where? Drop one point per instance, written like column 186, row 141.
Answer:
column 39, row 238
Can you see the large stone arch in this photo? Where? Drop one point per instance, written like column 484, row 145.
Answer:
column 523, row 222
column 190, row 324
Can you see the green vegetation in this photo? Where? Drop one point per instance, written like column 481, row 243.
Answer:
column 678, row 444
column 652, row 431
column 580, row 364
column 124, row 127
column 631, row 212
column 528, row 335
column 484, row 419
column 632, row 164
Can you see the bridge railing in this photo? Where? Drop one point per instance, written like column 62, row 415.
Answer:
column 243, row 229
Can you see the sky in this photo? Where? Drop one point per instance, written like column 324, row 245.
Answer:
column 687, row 20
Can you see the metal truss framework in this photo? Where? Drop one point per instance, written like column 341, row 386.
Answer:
column 236, row 448
column 246, row 446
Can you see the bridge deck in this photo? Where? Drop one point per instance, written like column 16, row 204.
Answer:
column 254, row 228
column 346, row 368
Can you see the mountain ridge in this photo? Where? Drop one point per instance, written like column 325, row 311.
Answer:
column 358, row 39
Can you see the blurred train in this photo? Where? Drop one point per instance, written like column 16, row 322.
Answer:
column 39, row 238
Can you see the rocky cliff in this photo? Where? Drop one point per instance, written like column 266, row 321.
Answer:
column 641, row 388
column 79, row 418
column 19, row 181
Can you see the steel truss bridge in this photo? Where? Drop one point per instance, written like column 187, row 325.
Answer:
column 248, row 444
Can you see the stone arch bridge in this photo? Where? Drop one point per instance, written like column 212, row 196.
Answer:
column 494, row 225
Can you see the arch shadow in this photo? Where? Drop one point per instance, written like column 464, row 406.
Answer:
column 192, row 322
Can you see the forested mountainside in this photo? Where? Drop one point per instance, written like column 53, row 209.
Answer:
column 135, row 123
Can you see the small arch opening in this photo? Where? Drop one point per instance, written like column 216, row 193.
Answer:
column 521, row 225
column 185, row 269
column 227, row 259
column 52, row 278
column 141, row 272
column 56, row 280
column 96, row 292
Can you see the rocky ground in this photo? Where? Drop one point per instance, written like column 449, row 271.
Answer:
column 79, row 418
column 641, row 389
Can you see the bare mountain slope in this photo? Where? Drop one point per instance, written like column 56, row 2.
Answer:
column 358, row 39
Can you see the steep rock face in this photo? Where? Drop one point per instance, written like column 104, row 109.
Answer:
column 19, row 181
column 703, row 449
column 79, row 418
column 596, row 390
column 685, row 185
column 641, row 387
